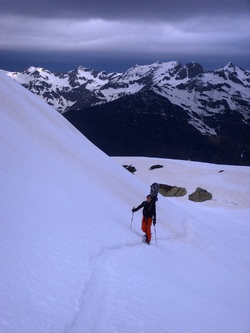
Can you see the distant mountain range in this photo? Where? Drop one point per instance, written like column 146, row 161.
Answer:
column 163, row 109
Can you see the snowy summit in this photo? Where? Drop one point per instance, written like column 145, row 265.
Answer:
column 70, row 263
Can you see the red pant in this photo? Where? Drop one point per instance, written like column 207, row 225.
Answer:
column 146, row 227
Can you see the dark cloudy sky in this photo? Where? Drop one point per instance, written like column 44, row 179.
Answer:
column 114, row 35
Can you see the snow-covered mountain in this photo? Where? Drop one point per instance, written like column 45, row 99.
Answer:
column 62, row 90
column 200, row 93
column 69, row 261
column 192, row 105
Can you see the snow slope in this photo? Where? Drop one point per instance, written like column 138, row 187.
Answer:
column 70, row 261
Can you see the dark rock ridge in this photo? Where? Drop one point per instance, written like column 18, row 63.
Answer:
column 146, row 124
column 163, row 109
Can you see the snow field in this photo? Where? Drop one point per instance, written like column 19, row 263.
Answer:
column 70, row 261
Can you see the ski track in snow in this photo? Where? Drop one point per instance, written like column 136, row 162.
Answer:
column 109, row 269
column 93, row 303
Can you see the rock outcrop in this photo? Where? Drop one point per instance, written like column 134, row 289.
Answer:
column 200, row 195
column 172, row 191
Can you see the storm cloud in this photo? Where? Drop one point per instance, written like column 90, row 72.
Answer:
column 147, row 31
column 118, row 10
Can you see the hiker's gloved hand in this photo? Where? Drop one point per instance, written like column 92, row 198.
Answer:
column 154, row 222
column 133, row 209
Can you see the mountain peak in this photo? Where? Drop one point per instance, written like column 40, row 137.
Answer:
column 230, row 67
column 230, row 64
column 33, row 69
column 194, row 69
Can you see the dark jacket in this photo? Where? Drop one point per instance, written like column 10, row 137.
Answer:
column 148, row 209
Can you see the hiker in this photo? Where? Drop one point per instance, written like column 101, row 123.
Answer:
column 148, row 216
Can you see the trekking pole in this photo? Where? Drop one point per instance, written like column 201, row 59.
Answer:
column 131, row 220
column 155, row 236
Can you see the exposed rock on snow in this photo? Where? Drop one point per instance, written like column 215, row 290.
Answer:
column 200, row 195
column 172, row 191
